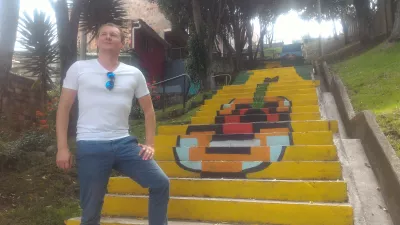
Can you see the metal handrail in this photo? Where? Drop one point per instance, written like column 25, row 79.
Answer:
column 185, row 93
column 226, row 75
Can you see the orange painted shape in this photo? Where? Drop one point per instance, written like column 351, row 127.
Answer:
column 230, row 167
column 202, row 133
column 282, row 109
column 275, row 130
column 225, row 112
column 203, row 139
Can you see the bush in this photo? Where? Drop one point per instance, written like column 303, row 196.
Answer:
column 33, row 140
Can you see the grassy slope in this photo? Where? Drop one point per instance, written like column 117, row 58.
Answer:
column 373, row 83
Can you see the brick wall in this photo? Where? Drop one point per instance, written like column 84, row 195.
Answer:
column 21, row 101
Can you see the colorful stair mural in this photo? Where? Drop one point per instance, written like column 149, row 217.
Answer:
column 256, row 153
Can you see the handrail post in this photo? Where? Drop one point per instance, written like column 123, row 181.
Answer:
column 184, row 93
column 163, row 108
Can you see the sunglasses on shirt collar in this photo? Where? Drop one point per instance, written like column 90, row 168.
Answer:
column 110, row 83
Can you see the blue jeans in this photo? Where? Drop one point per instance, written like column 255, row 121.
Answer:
column 95, row 161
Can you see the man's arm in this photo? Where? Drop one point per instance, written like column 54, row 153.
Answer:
column 67, row 98
column 150, row 119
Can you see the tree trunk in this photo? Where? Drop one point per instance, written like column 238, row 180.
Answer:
column 250, row 30
column 363, row 14
column 67, row 30
column 9, row 14
column 345, row 27
column 198, row 21
column 395, row 35
column 335, row 34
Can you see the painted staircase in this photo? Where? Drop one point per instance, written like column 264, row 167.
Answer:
column 256, row 153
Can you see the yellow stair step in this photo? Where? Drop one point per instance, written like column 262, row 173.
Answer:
column 219, row 103
column 292, row 96
column 257, row 139
column 259, row 127
column 290, row 153
column 281, row 190
column 131, row 221
column 294, row 109
column 256, row 118
column 287, row 170
column 281, row 83
column 235, row 210
column 270, row 92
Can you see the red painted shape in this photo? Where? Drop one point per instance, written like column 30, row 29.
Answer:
column 238, row 128
column 273, row 117
column 266, row 111
column 232, row 119
column 243, row 111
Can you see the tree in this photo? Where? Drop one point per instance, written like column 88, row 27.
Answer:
column 395, row 35
column 203, row 21
column 363, row 12
column 9, row 14
column 331, row 10
column 39, row 40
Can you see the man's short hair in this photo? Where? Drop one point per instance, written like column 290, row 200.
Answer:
column 113, row 25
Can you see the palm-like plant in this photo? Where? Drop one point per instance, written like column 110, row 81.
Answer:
column 98, row 12
column 38, row 38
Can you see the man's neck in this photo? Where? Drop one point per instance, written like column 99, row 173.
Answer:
column 108, row 61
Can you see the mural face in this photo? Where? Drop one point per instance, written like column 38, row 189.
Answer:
column 237, row 130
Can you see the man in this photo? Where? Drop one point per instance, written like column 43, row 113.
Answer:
column 105, row 88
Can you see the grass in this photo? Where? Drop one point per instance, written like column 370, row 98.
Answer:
column 372, row 80
column 44, row 195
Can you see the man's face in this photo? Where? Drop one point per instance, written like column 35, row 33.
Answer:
column 109, row 39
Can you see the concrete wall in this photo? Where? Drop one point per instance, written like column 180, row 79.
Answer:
column 21, row 102
column 363, row 126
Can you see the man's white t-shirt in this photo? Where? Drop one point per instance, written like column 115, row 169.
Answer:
column 103, row 113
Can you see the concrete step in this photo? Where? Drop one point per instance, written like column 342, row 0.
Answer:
column 132, row 221
column 289, row 170
column 247, row 103
column 234, row 210
column 249, row 128
column 291, row 97
column 274, row 153
column 256, row 118
column 245, row 140
column 286, row 109
column 270, row 87
column 250, row 93
column 280, row 190
column 252, row 84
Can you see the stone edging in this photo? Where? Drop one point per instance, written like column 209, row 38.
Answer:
column 363, row 126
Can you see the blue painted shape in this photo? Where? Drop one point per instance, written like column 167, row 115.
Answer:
column 188, row 142
column 182, row 152
column 226, row 106
column 278, row 140
column 275, row 152
column 249, row 165
column 194, row 165
column 184, row 147
column 286, row 103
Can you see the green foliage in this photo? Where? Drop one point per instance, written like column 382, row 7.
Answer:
column 38, row 37
column 372, row 82
column 98, row 12
column 196, row 61
column 33, row 141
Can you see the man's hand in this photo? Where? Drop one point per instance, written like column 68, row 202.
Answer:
column 147, row 152
column 64, row 159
